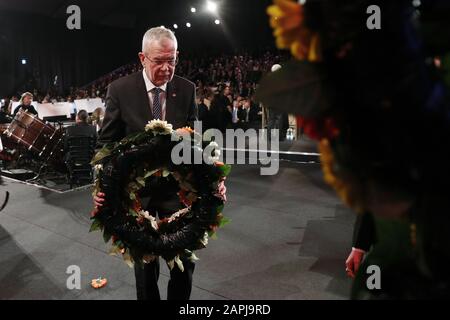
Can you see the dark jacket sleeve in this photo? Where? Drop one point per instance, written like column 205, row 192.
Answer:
column 364, row 231
column 113, row 128
column 193, row 110
column 33, row 111
column 16, row 110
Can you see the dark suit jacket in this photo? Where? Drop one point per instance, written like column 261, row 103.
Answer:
column 242, row 114
column 80, row 130
column 219, row 115
column 203, row 115
column 128, row 107
column 364, row 235
column 128, row 111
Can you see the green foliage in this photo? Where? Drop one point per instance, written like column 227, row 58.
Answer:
column 96, row 225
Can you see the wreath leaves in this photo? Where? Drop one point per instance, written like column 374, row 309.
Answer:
column 123, row 170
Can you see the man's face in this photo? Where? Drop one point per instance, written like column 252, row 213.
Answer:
column 159, row 61
column 27, row 100
column 226, row 91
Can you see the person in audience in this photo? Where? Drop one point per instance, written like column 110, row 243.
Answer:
column 81, row 126
column 96, row 118
column 220, row 110
column 4, row 116
column 25, row 104
column 204, row 114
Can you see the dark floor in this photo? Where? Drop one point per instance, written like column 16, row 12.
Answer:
column 288, row 239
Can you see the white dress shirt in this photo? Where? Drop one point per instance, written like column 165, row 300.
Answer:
column 162, row 96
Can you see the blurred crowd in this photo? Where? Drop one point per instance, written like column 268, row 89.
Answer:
column 225, row 87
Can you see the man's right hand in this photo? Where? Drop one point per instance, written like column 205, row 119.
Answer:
column 99, row 199
column 353, row 262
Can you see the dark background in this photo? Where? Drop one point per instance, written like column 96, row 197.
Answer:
column 111, row 34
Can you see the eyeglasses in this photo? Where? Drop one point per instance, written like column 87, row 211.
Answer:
column 172, row 62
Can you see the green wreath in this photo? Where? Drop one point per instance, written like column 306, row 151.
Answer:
column 123, row 170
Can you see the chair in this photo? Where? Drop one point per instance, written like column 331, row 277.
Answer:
column 79, row 153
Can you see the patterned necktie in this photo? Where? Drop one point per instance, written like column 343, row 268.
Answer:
column 157, row 109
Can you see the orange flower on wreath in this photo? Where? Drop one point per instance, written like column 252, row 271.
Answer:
column 219, row 164
column 287, row 18
column 347, row 188
column 187, row 130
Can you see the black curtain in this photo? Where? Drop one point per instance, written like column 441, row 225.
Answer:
column 75, row 57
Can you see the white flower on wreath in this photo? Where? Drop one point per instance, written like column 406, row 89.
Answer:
column 150, row 218
column 98, row 167
column 216, row 157
column 159, row 127
column 204, row 241
column 177, row 214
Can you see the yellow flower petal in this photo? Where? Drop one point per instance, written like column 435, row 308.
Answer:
column 274, row 11
column 315, row 51
column 299, row 50
column 285, row 38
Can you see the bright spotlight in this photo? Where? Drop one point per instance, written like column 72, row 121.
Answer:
column 188, row 25
column 193, row 10
column 24, row 61
column 175, row 26
column 217, row 21
column 211, row 6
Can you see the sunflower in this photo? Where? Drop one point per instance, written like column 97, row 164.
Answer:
column 287, row 18
column 346, row 187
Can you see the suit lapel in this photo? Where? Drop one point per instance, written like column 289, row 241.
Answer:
column 170, row 102
column 146, row 110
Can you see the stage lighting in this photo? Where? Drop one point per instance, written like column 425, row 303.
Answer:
column 193, row 10
column 211, row 6
column 175, row 26
column 24, row 61
column 188, row 24
column 217, row 21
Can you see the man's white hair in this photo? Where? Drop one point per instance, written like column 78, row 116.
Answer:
column 157, row 34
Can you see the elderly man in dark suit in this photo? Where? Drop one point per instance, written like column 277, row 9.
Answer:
column 132, row 101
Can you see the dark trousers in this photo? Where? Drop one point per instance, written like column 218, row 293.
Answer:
column 180, row 283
